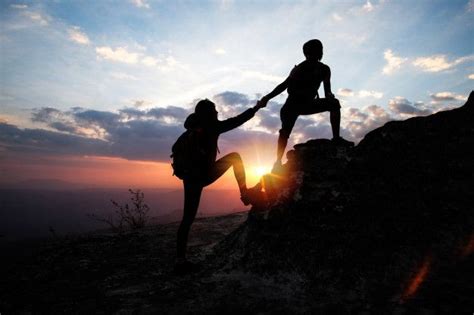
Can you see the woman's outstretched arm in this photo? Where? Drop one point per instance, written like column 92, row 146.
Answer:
column 234, row 122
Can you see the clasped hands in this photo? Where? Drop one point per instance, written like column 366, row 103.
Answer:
column 261, row 103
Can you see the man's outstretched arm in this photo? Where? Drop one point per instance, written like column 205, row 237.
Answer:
column 279, row 89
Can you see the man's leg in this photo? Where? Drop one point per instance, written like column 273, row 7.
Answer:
column 335, row 119
column 192, row 196
column 288, row 118
column 330, row 105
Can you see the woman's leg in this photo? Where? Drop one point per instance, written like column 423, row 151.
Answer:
column 192, row 196
column 223, row 164
column 193, row 190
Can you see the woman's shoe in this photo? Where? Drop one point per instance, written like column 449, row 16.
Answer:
column 185, row 267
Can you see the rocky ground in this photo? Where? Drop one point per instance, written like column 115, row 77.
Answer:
column 108, row 272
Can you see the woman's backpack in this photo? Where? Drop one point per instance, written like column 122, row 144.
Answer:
column 189, row 155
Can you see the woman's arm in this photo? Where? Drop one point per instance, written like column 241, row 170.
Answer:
column 234, row 122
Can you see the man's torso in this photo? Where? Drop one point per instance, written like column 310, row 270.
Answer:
column 305, row 79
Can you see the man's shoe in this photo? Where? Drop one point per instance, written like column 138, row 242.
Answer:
column 342, row 141
column 277, row 167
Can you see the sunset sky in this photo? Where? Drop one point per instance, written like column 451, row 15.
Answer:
column 96, row 92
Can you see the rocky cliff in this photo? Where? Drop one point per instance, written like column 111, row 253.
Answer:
column 384, row 225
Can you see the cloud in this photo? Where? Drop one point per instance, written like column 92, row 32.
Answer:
column 439, row 63
column 133, row 133
column 149, row 61
column 140, row 3
column 368, row 7
column 45, row 114
column 77, row 36
column 373, row 94
column 61, row 126
column 432, row 64
column 400, row 105
column 44, row 142
column 101, row 118
column 19, row 6
column 171, row 61
column 471, row 76
column 229, row 98
column 393, row 62
column 356, row 123
column 435, row 63
column 130, row 133
column 139, row 133
column 263, row 76
column 345, row 92
column 336, row 17
column 123, row 76
column 68, row 122
column 141, row 103
column 124, row 55
column 447, row 96
column 177, row 113
column 120, row 54
column 220, row 51
column 225, row 4
column 270, row 122
column 36, row 17
column 470, row 6
column 231, row 103
column 353, row 39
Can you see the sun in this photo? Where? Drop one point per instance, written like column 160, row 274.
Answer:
column 259, row 171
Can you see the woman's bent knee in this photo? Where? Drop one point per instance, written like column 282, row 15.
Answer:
column 234, row 156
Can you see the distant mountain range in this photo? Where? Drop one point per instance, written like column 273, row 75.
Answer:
column 29, row 208
column 46, row 184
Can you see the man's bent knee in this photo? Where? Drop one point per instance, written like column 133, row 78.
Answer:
column 336, row 104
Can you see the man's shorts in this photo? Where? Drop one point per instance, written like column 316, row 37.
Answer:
column 294, row 107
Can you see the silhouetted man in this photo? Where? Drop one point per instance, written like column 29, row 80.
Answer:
column 207, row 127
column 303, row 98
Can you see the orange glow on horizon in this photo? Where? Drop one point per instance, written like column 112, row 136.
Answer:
column 95, row 171
column 114, row 172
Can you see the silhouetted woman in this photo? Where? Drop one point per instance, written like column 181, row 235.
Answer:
column 204, row 121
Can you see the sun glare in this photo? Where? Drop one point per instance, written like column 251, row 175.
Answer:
column 260, row 171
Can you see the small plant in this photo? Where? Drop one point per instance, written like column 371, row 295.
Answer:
column 134, row 216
